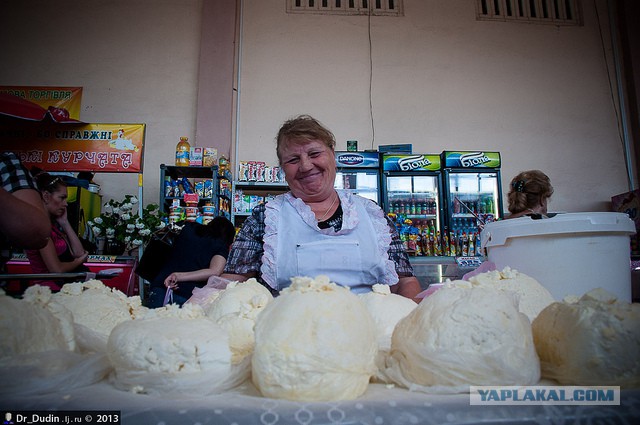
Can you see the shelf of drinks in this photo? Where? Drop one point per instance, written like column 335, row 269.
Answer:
column 421, row 216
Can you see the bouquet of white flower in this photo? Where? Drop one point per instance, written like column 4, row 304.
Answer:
column 120, row 223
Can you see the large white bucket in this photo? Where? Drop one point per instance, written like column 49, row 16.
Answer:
column 569, row 254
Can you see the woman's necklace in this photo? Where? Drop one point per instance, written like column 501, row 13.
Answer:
column 326, row 213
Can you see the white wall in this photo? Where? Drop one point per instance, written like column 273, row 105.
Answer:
column 137, row 61
column 441, row 80
column 539, row 94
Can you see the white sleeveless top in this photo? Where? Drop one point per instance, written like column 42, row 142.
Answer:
column 355, row 256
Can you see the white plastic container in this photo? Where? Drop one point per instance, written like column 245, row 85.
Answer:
column 569, row 254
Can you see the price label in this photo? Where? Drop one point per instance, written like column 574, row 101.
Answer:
column 468, row 262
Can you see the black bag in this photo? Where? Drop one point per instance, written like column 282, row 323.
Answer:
column 156, row 253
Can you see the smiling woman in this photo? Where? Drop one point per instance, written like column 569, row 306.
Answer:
column 317, row 230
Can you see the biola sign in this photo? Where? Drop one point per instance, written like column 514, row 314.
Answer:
column 559, row 395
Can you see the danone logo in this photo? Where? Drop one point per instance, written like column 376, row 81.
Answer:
column 350, row 159
column 473, row 159
column 409, row 163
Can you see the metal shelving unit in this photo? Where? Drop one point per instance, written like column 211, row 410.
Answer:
column 240, row 211
column 221, row 199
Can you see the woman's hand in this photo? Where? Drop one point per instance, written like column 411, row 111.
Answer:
column 83, row 257
column 171, row 281
column 63, row 220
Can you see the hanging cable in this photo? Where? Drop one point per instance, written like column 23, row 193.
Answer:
column 373, row 128
column 619, row 105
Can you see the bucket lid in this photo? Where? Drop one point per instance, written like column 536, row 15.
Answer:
column 497, row 232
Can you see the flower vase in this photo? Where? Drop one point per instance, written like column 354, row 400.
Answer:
column 113, row 247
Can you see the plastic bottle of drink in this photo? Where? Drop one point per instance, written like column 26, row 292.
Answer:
column 437, row 245
column 452, row 244
column 465, row 245
column 446, row 248
column 183, row 151
column 490, row 205
column 223, row 164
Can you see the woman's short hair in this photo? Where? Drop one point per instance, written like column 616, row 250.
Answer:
column 527, row 190
column 301, row 128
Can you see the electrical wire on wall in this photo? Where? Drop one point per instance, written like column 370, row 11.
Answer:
column 373, row 128
column 618, row 106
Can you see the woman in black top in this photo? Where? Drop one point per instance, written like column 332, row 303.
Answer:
column 199, row 252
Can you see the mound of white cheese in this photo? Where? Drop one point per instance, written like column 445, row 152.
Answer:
column 96, row 309
column 462, row 336
column 594, row 340
column 173, row 352
column 315, row 342
column 235, row 309
column 29, row 327
column 387, row 310
column 532, row 296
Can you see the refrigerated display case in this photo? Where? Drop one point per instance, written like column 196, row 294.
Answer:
column 411, row 187
column 359, row 173
column 472, row 196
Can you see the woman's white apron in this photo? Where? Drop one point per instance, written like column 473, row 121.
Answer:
column 356, row 256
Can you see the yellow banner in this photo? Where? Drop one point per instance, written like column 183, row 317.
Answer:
column 69, row 98
column 76, row 147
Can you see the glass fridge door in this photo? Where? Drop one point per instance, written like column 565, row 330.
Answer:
column 360, row 182
column 473, row 200
column 415, row 198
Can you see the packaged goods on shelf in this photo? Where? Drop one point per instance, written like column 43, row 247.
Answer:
column 237, row 201
column 258, row 171
column 208, row 188
column 225, row 188
column 209, row 157
column 195, row 157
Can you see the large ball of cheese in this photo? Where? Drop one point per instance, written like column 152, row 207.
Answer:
column 27, row 328
column 315, row 342
column 594, row 341
column 532, row 296
column 463, row 336
column 176, row 352
column 387, row 310
column 96, row 309
column 236, row 309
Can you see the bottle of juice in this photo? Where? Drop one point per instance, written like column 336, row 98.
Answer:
column 223, row 164
column 183, row 150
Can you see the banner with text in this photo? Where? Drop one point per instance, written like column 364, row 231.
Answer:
column 115, row 148
column 69, row 98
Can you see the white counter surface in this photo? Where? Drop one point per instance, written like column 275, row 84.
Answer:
column 380, row 405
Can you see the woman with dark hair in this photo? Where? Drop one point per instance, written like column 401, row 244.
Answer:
column 64, row 252
column 529, row 193
column 199, row 252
